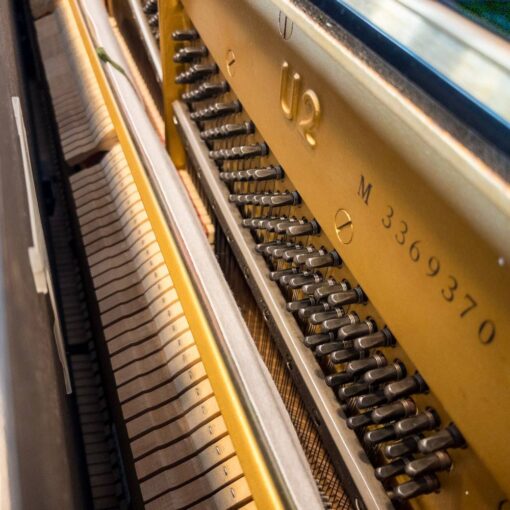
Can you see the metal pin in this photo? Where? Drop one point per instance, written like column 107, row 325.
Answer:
column 394, row 371
column 335, row 324
column 330, row 287
column 153, row 20
column 414, row 488
column 303, row 228
column 196, row 72
column 295, row 282
column 185, row 35
column 150, row 6
column 438, row 461
column 240, row 152
column 276, row 275
column 323, row 260
column 277, row 199
column 216, row 110
column 228, row 130
column 206, row 90
column 190, row 53
column 347, row 297
column 289, row 255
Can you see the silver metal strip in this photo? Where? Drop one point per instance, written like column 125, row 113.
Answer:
column 147, row 38
column 345, row 440
column 255, row 387
column 38, row 253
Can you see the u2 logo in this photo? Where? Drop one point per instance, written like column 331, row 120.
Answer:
column 304, row 109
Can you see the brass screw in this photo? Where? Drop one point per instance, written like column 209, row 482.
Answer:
column 344, row 226
column 231, row 60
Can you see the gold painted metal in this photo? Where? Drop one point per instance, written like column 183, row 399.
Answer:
column 290, row 87
column 171, row 17
column 396, row 266
column 262, row 486
column 344, row 226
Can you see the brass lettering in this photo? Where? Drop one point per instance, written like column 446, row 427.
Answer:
column 289, row 91
column 310, row 123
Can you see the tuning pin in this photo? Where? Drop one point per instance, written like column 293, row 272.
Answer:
column 414, row 488
column 427, row 420
column 150, row 6
column 297, row 306
column 288, row 256
column 313, row 341
column 422, row 421
column 153, row 20
column 395, row 370
column 370, row 399
column 338, row 379
column 323, row 259
column 328, row 348
column 284, row 280
column 242, row 198
column 278, row 251
column 352, row 390
column 327, row 314
column 276, row 275
column 408, row 386
column 438, row 461
column 209, row 90
column 278, row 227
column 343, row 356
column 185, row 35
column 295, row 282
column 301, row 258
column 382, row 338
column 270, row 222
column 401, row 448
column 390, row 470
column 227, row 130
column 335, row 324
column 360, row 366
column 347, row 297
column 450, row 437
column 351, row 331
column 393, row 411
column 305, row 313
column 303, row 228
column 251, row 223
column 262, row 247
column 239, row 152
column 196, row 72
column 330, row 287
column 254, row 223
column 190, row 53
column 358, row 421
column 214, row 111
column 253, row 174
column 279, row 199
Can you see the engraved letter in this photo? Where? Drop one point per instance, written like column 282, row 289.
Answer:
column 289, row 91
column 364, row 191
column 310, row 123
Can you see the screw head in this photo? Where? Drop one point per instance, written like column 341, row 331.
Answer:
column 343, row 226
column 231, row 62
